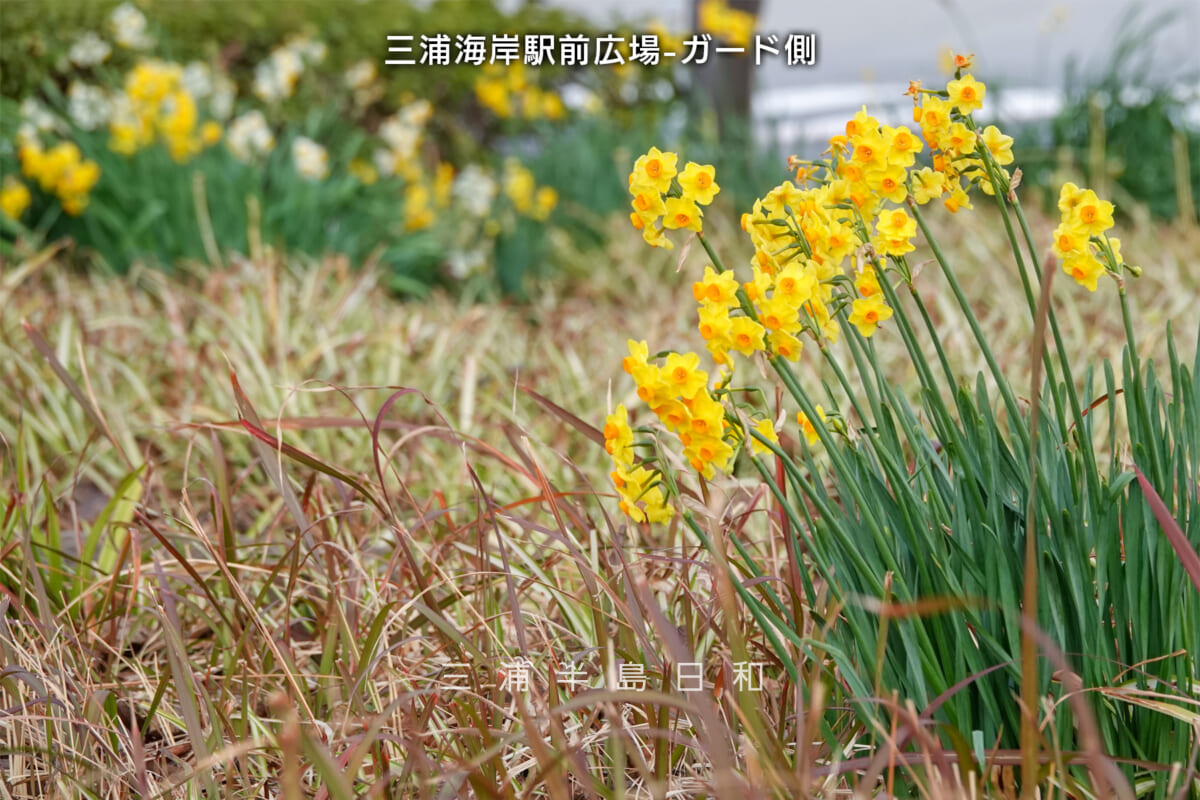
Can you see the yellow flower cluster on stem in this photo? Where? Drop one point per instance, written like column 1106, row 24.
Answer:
column 825, row 250
column 1080, row 240
column 62, row 171
column 156, row 105
column 527, row 197
column 507, row 92
column 14, row 198
column 953, row 140
column 665, row 198
column 728, row 24
column 642, row 496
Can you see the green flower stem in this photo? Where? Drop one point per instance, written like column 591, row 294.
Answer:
column 1127, row 321
column 1085, row 443
column 996, row 176
column 753, row 570
column 868, row 511
column 951, row 378
column 885, row 457
column 860, row 363
column 1023, row 270
column 711, row 253
column 946, row 428
column 796, row 523
column 803, row 486
column 1010, row 401
column 1138, row 396
column 844, row 380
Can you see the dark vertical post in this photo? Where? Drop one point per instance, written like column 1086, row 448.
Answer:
column 725, row 81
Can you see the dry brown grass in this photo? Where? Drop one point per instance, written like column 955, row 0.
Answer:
column 200, row 650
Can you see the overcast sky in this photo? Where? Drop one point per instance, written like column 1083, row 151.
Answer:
column 1026, row 42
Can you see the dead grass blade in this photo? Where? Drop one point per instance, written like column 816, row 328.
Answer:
column 590, row 431
column 85, row 402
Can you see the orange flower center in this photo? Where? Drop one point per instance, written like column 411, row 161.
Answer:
column 968, row 93
column 682, row 219
column 703, row 181
column 1088, row 213
column 642, row 202
column 679, row 374
column 653, row 168
column 871, row 317
column 713, row 292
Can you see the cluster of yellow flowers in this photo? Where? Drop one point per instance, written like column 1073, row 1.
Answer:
column 641, row 491
column 422, row 199
column 14, row 198
column 663, row 194
column 529, row 199
column 848, row 207
column 677, row 392
column 62, row 170
column 728, row 24
column 155, row 104
column 1080, row 239
column 507, row 92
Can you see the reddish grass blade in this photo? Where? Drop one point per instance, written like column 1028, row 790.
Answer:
column 273, row 469
column 1187, row 556
column 590, row 431
column 252, row 424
